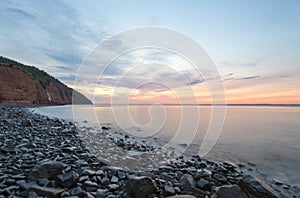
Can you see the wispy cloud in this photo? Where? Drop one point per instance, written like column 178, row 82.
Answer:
column 248, row 77
column 21, row 13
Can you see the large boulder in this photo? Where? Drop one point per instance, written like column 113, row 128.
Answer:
column 229, row 191
column 140, row 187
column 189, row 186
column 182, row 196
column 47, row 169
column 256, row 187
column 68, row 179
column 45, row 191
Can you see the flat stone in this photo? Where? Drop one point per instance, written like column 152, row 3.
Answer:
column 140, row 187
column 26, row 123
column 99, row 172
column 25, row 185
column 203, row 184
column 46, row 191
column 189, row 186
column 166, row 168
column 68, row 179
column 49, row 169
column 229, row 192
column 121, row 175
column 169, row 190
column 220, row 178
column 278, row 182
column 257, row 187
column 90, row 184
column 83, row 178
column 114, row 179
column 77, row 192
column 182, row 196
column 113, row 187
column 101, row 193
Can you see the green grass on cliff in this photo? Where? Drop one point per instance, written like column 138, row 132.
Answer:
column 43, row 77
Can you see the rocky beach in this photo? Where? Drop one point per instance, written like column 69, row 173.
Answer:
column 50, row 157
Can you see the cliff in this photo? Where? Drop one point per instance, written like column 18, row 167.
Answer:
column 21, row 84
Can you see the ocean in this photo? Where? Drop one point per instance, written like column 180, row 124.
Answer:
column 266, row 139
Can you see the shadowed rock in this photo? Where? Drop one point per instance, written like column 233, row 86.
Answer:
column 140, row 187
column 48, row 169
column 256, row 187
column 229, row 192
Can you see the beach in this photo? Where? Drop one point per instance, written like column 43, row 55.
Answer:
column 42, row 156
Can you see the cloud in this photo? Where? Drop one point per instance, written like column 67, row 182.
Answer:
column 248, row 77
column 198, row 81
column 67, row 79
column 69, row 59
column 21, row 13
column 64, row 68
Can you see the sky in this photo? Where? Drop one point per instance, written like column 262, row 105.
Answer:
column 254, row 45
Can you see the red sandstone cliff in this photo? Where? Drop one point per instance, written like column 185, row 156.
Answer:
column 19, row 87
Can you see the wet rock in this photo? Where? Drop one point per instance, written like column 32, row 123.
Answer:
column 89, row 172
column 105, row 128
column 48, row 169
column 189, row 186
column 77, row 192
column 25, row 185
column 257, row 187
column 104, row 181
column 26, row 123
column 166, row 168
column 182, row 196
column 121, row 175
column 114, row 179
column 140, row 187
column 220, row 178
column 90, row 186
column 203, row 184
column 46, row 191
column 99, row 172
column 32, row 194
column 278, row 182
column 229, row 191
column 169, row 190
column 113, row 187
column 68, row 179
column 43, row 182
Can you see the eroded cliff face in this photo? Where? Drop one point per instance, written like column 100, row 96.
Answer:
column 19, row 87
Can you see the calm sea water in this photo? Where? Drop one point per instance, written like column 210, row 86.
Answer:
column 268, row 136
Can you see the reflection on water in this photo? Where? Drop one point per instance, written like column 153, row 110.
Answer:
column 266, row 136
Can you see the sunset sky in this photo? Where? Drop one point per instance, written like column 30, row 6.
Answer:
column 255, row 46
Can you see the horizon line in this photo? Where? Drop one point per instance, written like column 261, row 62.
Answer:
column 146, row 104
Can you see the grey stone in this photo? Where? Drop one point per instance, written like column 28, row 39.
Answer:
column 257, row 187
column 189, row 186
column 114, row 179
column 46, row 191
column 77, row 192
column 182, row 196
column 140, row 187
column 229, row 191
column 101, row 193
column 113, row 187
column 26, row 123
column 169, row 190
column 68, row 179
column 203, row 184
column 48, row 169
column 220, row 178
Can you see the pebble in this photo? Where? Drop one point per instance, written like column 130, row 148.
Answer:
column 41, row 156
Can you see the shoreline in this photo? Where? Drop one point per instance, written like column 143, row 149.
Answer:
column 28, row 139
